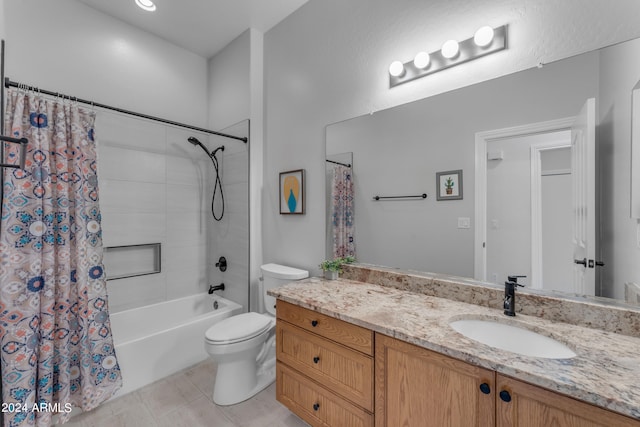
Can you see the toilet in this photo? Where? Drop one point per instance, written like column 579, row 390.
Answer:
column 244, row 345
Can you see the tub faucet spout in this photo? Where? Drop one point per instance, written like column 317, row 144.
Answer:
column 213, row 288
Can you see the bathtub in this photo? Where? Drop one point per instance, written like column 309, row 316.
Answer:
column 157, row 340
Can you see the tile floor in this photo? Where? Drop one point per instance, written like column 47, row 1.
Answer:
column 184, row 400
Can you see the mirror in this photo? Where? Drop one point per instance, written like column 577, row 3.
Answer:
column 402, row 150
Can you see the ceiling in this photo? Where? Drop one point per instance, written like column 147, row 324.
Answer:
column 201, row 26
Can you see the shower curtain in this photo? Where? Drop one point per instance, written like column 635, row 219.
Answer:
column 56, row 347
column 342, row 212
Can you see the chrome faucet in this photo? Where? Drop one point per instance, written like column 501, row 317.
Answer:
column 509, row 303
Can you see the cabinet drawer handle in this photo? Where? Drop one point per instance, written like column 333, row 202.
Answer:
column 505, row 396
column 316, row 359
column 314, row 323
column 316, row 406
column 484, row 387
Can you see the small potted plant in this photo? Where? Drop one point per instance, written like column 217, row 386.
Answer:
column 332, row 267
column 448, row 185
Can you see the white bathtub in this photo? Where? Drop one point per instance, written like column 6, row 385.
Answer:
column 158, row 340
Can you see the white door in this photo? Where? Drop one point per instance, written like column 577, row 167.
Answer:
column 583, row 165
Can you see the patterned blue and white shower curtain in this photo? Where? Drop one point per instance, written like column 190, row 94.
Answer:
column 56, row 346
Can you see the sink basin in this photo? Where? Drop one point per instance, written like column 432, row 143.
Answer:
column 512, row 338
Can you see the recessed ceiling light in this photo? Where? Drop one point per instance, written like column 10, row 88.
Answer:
column 147, row 5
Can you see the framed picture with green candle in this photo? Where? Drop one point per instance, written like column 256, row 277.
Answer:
column 292, row 192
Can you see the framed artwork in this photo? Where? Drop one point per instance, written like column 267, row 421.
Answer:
column 449, row 185
column 292, row 192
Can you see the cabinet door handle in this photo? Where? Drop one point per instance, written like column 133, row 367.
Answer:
column 314, row 323
column 484, row 387
column 505, row 396
column 316, row 359
column 316, row 406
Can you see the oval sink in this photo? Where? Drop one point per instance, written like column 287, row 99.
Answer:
column 512, row 338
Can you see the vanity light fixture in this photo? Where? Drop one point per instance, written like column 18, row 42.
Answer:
column 396, row 69
column 147, row 5
column 485, row 41
column 483, row 36
column 421, row 60
column 450, row 49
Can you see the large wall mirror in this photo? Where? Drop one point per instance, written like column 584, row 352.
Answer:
column 531, row 201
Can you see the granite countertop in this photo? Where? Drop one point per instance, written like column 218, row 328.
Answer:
column 605, row 372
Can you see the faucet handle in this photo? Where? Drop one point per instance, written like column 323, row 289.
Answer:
column 514, row 280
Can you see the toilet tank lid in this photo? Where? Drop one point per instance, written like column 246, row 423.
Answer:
column 278, row 271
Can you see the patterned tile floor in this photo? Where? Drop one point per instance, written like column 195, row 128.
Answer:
column 184, row 400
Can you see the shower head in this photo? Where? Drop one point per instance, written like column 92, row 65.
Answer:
column 193, row 140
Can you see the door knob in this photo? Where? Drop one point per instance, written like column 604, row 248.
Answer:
column 316, row 359
column 582, row 261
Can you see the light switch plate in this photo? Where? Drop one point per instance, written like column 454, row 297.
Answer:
column 464, row 222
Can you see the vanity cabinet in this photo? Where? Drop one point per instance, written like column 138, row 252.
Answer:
column 418, row 387
column 526, row 405
column 324, row 369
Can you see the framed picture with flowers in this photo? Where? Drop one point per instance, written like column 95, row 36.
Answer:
column 449, row 185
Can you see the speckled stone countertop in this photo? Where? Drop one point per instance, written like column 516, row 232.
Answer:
column 605, row 372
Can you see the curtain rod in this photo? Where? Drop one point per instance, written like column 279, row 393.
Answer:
column 338, row 163
column 9, row 83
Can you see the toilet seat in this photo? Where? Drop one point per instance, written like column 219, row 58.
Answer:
column 238, row 328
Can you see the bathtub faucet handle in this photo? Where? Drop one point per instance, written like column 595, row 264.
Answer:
column 222, row 264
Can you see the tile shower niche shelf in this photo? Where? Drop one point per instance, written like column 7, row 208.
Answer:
column 132, row 260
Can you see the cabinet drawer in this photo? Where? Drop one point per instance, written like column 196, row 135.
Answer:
column 341, row 369
column 315, row 404
column 353, row 336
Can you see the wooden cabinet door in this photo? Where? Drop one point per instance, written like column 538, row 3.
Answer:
column 527, row 405
column 415, row 387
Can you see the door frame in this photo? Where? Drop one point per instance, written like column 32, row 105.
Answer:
column 536, row 207
column 481, row 141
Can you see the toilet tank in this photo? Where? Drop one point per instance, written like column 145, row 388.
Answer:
column 274, row 275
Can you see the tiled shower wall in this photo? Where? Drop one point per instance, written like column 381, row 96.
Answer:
column 155, row 188
column 230, row 236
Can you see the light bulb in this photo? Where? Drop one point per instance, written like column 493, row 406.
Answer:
column 396, row 69
column 147, row 5
column 484, row 36
column 450, row 49
column 421, row 60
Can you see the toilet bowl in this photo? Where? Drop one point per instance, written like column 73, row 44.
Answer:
column 244, row 345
